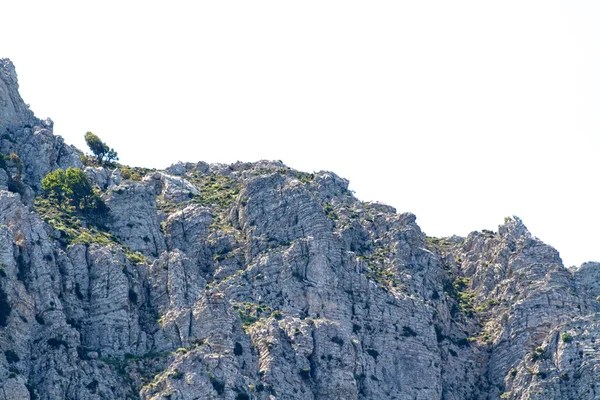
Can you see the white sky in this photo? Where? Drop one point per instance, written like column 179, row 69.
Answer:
column 462, row 112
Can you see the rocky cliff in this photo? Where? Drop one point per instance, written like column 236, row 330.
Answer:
column 256, row 281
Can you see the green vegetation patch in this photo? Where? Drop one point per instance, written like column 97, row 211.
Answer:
column 303, row 177
column 251, row 313
column 539, row 354
column 461, row 292
column 566, row 337
column 215, row 190
column 438, row 243
column 377, row 271
column 134, row 173
column 330, row 211
column 134, row 257
column 66, row 220
column 487, row 305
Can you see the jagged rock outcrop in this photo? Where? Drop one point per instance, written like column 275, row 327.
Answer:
column 255, row 281
column 31, row 139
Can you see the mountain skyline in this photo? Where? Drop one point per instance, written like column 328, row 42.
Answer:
column 482, row 110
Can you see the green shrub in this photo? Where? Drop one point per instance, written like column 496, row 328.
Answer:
column 181, row 350
column 85, row 160
column 539, row 354
column 55, row 185
column 135, row 257
column 329, row 211
column 567, row 338
column 251, row 312
column 125, row 173
column 460, row 291
column 14, row 158
column 74, row 186
column 77, row 187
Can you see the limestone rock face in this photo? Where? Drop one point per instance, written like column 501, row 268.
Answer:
column 13, row 109
column 133, row 217
column 103, row 178
column 256, row 281
column 26, row 136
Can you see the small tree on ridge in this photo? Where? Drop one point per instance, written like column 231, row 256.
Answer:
column 100, row 149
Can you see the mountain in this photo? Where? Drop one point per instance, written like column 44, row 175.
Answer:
column 256, row 281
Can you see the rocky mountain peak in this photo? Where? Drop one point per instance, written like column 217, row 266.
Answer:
column 29, row 139
column 256, row 281
column 514, row 228
column 12, row 108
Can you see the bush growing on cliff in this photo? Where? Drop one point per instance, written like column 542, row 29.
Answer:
column 567, row 338
column 72, row 186
column 55, row 185
column 539, row 354
column 78, row 188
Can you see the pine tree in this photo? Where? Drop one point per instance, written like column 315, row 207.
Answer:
column 101, row 151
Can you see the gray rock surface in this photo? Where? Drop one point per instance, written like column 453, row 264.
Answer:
column 31, row 139
column 255, row 281
column 133, row 217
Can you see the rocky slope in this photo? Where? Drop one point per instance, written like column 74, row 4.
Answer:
column 255, row 281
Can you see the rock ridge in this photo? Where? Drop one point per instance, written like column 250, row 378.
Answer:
column 256, row 281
